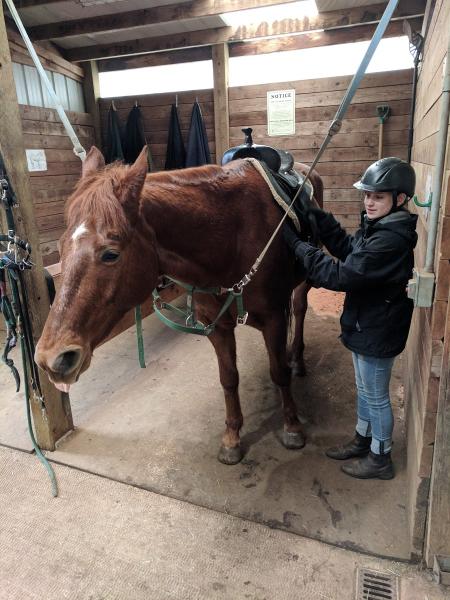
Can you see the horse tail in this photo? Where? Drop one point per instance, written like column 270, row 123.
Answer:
column 288, row 314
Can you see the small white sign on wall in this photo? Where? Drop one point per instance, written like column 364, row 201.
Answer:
column 281, row 112
column 36, row 160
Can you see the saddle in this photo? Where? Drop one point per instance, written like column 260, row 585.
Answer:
column 279, row 165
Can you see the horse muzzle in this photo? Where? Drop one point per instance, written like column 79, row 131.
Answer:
column 64, row 366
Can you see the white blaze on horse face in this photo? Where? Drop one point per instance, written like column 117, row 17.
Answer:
column 79, row 231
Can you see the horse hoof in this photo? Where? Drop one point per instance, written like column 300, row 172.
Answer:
column 230, row 456
column 293, row 440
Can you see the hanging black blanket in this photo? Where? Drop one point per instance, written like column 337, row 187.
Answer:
column 176, row 152
column 114, row 149
column 197, row 147
column 134, row 137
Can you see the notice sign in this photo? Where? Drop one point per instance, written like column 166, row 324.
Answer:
column 36, row 160
column 281, row 112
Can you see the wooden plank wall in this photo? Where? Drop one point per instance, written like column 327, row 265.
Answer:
column 423, row 355
column 353, row 149
column 155, row 110
column 349, row 154
column 42, row 128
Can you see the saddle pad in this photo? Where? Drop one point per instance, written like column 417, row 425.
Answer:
column 280, row 195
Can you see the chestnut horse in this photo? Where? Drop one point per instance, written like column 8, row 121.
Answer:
column 204, row 226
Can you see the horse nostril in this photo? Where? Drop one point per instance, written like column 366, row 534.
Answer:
column 66, row 362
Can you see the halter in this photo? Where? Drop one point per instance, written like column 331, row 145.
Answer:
column 191, row 324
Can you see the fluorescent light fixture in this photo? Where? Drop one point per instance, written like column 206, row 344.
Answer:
column 291, row 10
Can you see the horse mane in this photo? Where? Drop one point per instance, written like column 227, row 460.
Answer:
column 95, row 196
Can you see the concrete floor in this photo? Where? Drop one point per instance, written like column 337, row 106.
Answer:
column 159, row 429
column 104, row 540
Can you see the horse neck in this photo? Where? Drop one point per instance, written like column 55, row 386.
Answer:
column 189, row 245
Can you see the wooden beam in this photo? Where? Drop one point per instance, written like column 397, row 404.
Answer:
column 438, row 517
column 53, row 421
column 155, row 59
column 221, row 110
column 49, row 59
column 315, row 40
column 221, row 5
column 228, row 35
column 206, row 37
column 203, row 8
column 31, row 3
column 148, row 16
column 91, row 89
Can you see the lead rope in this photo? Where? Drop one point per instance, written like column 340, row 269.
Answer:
column 16, row 315
column 77, row 147
column 335, row 127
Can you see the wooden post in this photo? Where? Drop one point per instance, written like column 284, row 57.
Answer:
column 438, row 522
column 221, row 110
column 53, row 421
column 91, row 95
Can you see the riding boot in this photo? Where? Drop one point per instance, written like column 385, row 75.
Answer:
column 358, row 446
column 372, row 466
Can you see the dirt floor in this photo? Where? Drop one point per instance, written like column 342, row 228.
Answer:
column 159, row 429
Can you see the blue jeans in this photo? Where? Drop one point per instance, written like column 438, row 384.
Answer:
column 375, row 416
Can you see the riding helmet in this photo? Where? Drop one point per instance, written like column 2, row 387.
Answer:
column 388, row 175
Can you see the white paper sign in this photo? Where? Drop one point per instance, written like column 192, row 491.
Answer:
column 281, row 112
column 36, row 160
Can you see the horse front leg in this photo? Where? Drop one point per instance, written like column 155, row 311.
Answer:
column 275, row 337
column 224, row 343
column 300, row 306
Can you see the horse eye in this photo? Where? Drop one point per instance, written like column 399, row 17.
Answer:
column 110, row 256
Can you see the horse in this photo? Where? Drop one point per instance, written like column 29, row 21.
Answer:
column 201, row 225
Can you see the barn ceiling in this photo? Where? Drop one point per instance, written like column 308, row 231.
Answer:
column 95, row 29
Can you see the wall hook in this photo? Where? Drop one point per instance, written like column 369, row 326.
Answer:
column 424, row 204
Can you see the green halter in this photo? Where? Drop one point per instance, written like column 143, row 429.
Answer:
column 188, row 315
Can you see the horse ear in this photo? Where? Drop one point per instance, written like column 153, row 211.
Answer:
column 93, row 162
column 133, row 181
column 140, row 167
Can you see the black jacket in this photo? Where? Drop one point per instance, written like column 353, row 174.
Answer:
column 373, row 268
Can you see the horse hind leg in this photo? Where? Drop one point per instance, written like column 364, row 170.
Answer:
column 300, row 306
column 275, row 337
column 224, row 343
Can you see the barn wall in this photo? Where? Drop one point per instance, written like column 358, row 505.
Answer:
column 42, row 128
column 353, row 149
column 317, row 101
column 423, row 355
column 155, row 110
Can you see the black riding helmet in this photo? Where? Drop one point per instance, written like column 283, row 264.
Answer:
column 389, row 175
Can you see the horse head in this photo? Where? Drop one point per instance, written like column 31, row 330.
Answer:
column 109, row 265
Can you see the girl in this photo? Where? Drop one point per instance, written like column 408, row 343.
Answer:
column 373, row 268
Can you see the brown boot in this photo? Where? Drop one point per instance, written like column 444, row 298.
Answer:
column 372, row 466
column 358, row 446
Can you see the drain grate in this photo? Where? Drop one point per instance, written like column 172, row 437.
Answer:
column 373, row 585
